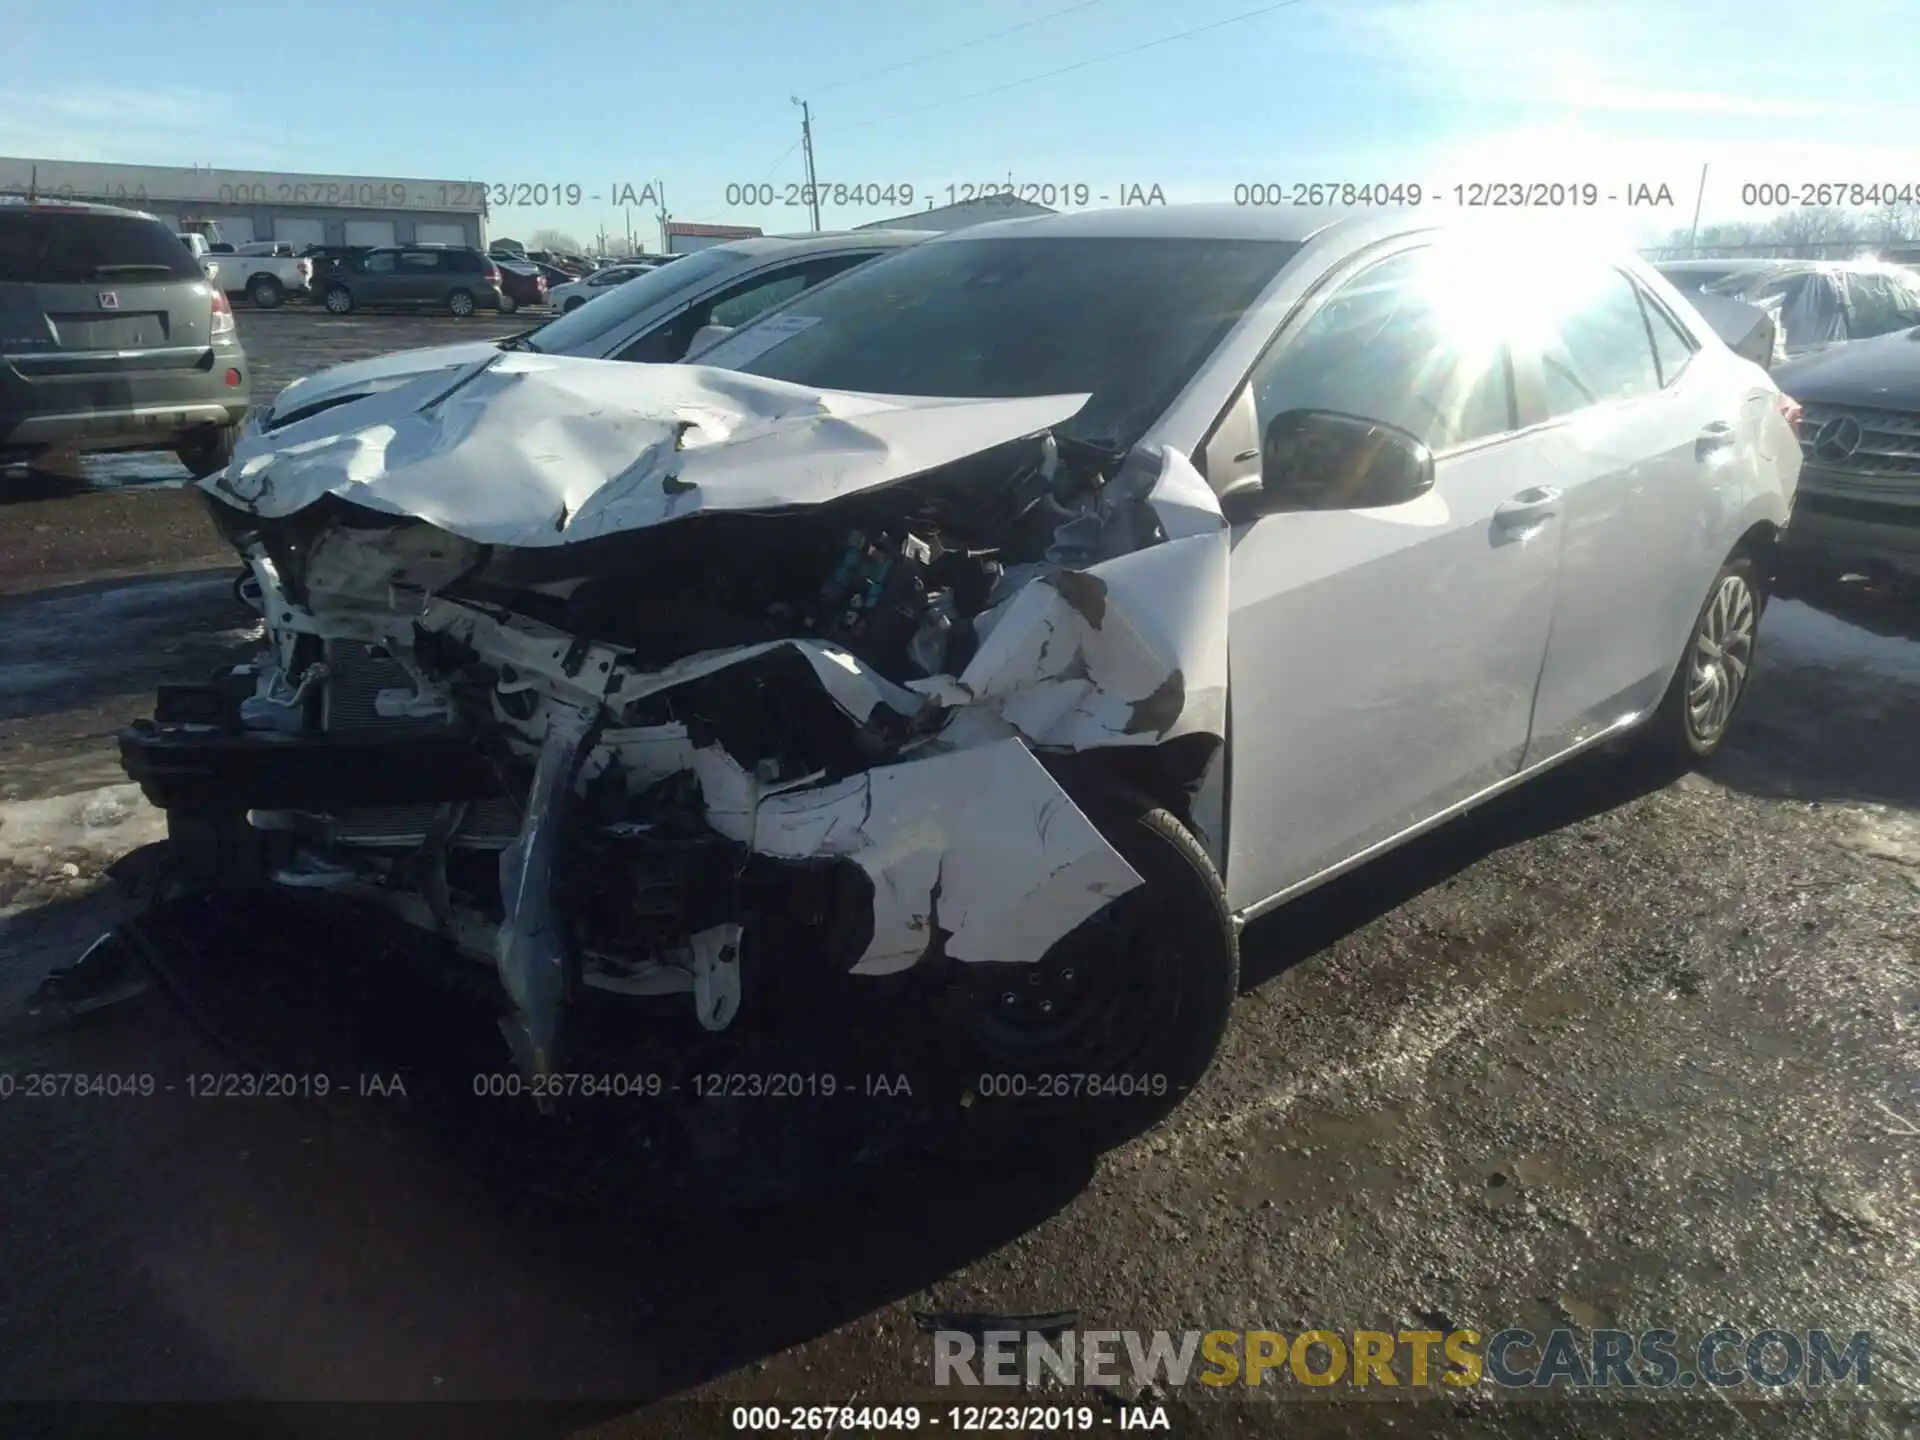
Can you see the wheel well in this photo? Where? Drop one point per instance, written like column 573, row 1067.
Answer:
column 1762, row 542
column 1167, row 774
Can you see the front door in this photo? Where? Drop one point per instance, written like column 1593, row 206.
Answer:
column 1384, row 661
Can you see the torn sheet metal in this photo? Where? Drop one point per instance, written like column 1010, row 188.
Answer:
column 536, row 451
column 981, row 846
column 1131, row 651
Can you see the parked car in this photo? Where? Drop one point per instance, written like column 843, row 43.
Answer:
column 576, row 293
column 202, row 251
column 1689, row 276
column 521, row 283
column 112, row 338
column 1827, row 302
column 1859, row 503
column 455, row 278
column 973, row 642
column 655, row 318
column 261, row 273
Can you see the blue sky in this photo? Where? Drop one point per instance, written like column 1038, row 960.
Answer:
column 697, row 96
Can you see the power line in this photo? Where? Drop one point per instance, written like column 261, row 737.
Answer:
column 1078, row 64
column 956, row 49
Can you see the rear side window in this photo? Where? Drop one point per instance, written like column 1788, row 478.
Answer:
column 57, row 247
column 418, row 260
column 1672, row 346
column 1603, row 351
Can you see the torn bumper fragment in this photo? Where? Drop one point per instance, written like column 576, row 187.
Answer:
column 631, row 679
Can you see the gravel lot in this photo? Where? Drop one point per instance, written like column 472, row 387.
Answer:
column 1604, row 1054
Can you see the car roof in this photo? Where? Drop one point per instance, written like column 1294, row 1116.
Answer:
column 1179, row 222
column 763, row 245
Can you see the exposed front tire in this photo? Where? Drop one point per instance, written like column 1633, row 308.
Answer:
column 1112, row 1029
column 208, row 451
column 338, row 300
column 1694, row 717
column 266, row 292
column 460, row 303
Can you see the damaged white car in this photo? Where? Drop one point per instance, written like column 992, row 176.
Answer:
column 992, row 630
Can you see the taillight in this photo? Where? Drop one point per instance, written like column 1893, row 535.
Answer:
column 493, row 275
column 222, row 313
column 305, row 267
column 540, row 283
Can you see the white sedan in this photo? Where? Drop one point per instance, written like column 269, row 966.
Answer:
column 990, row 633
column 576, row 293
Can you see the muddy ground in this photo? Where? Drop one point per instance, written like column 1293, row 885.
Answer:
column 1608, row 1054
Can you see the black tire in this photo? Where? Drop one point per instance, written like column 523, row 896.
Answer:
column 1676, row 735
column 208, row 451
column 338, row 300
column 508, row 304
column 1161, row 969
column 265, row 292
column 460, row 303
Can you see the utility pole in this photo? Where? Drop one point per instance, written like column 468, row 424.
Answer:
column 663, row 217
column 1698, row 200
column 806, row 146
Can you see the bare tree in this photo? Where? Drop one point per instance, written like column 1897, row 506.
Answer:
column 1809, row 226
column 556, row 240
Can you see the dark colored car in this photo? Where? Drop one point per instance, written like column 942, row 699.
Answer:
column 1859, row 503
column 522, row 282
column 112, row 339
column 454, row 278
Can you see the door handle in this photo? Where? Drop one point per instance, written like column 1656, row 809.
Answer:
column 1715, row 437
column 1528, row 508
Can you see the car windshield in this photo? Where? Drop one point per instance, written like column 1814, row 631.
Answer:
column 617, row 304
column 1127, row 319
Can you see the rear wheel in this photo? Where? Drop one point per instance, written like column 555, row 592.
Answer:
column 508, row 304
column 460, row 302
column 1695, row 715
column 265, row 292
column 338, row 300
column 1115, row 1025
column 208, row 451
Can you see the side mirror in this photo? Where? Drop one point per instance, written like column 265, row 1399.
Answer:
column 1321, row 460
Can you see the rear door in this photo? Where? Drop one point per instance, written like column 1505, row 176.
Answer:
column 1635, row 419
column 734, row 304
column 89, row 302
column 422, row 277
column 375, row 278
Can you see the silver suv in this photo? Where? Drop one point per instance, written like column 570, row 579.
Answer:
column 111, row 338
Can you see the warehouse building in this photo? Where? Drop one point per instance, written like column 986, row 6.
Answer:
column 251, row 205
column 683, row 237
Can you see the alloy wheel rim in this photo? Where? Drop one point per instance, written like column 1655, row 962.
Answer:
column 1721, row 657
column 462, row 305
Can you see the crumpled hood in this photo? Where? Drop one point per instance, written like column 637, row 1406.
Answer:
column 382, row 372
column 527, row 450
column 1879, row 373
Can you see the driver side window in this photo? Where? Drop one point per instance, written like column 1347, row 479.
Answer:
column 1404, row 341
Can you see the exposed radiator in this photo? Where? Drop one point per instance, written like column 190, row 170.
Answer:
column 355, row 678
